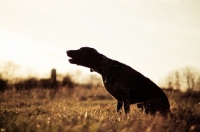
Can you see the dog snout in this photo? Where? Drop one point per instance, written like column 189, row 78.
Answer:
column 68, row 52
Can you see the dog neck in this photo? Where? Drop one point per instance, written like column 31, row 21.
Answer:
column 103, row 66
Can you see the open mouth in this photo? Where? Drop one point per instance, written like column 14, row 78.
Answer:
column 71, row 60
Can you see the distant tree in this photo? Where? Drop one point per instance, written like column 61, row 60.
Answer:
column 190, row 77
column 198, row 83
column 7, row 70
column 186, row 78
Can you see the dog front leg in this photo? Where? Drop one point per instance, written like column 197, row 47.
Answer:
column 119, row 106
column 127, row 106
column 126, row 102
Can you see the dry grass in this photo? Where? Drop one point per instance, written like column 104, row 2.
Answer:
column 89, row 110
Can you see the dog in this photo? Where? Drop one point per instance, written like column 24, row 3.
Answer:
column 125, row 84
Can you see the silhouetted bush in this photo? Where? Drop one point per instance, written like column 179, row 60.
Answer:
column 192, row 94
column 67, row 81
column 28, row 83
column 3, row 84
column 47, row 83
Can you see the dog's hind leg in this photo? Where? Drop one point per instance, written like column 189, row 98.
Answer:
column 140, row 106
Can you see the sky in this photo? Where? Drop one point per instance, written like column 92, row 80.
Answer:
column 152, row 36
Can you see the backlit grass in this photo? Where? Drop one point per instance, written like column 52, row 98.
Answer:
column 89, row 110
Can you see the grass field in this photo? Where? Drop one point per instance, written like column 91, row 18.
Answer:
column 90, row 110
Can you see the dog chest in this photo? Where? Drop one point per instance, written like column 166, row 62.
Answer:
column 115, row 86
column 114, row 91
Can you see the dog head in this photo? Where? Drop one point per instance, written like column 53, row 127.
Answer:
column 84, row 56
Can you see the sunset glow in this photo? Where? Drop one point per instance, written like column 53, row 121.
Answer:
column 153, row 37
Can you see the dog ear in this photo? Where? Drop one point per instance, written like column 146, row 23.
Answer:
column 91, row 70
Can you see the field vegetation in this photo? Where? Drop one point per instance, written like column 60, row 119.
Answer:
column 88, row 107
column 93, row 110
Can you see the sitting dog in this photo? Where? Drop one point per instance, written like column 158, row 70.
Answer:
column 124, row 83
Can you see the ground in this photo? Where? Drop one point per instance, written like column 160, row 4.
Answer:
column 89, row 110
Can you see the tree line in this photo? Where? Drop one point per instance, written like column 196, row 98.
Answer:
column 187, row 78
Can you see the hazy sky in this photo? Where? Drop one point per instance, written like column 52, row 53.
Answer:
column 152, row 36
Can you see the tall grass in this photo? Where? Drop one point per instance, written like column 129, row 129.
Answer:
column 89, row 110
